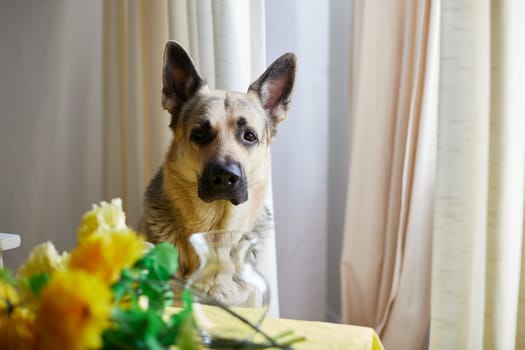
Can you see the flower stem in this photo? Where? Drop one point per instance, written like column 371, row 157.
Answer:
column 212, row 301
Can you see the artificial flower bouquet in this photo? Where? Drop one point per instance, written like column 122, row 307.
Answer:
column 109, row 292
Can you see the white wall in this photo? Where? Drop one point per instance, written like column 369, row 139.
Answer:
column 300, row 157
column 311, row 154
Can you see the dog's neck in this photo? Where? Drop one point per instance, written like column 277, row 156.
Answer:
column 181, row 212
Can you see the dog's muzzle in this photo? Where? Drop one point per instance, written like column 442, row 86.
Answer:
column 223, row 180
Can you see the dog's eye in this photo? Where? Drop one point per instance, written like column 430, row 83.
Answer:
column 249, row 137
column 201, row 135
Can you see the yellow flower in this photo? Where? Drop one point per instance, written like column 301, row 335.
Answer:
column 8, row 297
column 74, row 311
column 106, row 255
column 107, row 217
column 43, row 258
column 17, row 326
column 17, row 330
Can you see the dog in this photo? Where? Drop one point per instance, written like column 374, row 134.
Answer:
column 216, row 171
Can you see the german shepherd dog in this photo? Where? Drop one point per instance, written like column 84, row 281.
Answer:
column 215, row 174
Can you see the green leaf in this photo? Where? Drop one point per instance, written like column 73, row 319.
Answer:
column 37, row 282
column 186, row 334
column 7, row 276
column 134, row 329
column 187, row 299
column 161, row 261
column 179, row 325
column 159, row 294
column 127, row 275
column 125, row 286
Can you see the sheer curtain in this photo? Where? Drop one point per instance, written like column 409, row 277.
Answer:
column 136, row 134
column 385, row 265
column 477, row 298
column 478, row 274
column 227, row 42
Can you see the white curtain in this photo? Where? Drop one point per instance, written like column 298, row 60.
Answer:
column 478, row 274
column 227, row 42
column 225, row 38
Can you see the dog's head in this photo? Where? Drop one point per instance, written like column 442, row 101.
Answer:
column 221, row 138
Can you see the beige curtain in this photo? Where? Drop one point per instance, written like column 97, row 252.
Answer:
column 385, row 266
column 226, row 40
column 478, row 274
column 136, row 133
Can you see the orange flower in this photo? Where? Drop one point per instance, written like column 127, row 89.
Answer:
column 105, row 255
column 17, row 330
column 74, row 311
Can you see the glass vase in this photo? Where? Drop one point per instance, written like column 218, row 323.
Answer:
column 227, row 283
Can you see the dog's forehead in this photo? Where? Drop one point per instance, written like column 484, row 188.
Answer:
column 219, row 106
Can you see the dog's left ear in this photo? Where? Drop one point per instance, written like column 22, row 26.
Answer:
column 274, row 87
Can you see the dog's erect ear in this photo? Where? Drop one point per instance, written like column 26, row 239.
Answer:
column 275, row 86
column 179, row 76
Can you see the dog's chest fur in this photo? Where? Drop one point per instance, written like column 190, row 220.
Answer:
column 172, row 214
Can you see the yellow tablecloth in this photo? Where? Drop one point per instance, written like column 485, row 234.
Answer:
column 329, row 336
column 319, row 335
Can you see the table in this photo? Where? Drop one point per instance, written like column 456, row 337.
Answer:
column 319, row 335
column 323, row 335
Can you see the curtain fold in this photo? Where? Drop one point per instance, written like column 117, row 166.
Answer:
column 226, row 40
column 387, row 240
column 136, row 133
column 478, row 271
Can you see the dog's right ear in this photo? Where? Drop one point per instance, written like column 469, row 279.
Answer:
column 180, row 78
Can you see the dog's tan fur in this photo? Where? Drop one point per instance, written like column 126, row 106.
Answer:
column 173, row 207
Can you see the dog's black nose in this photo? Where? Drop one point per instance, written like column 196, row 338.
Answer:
column 225, row 175
column 223, row 180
